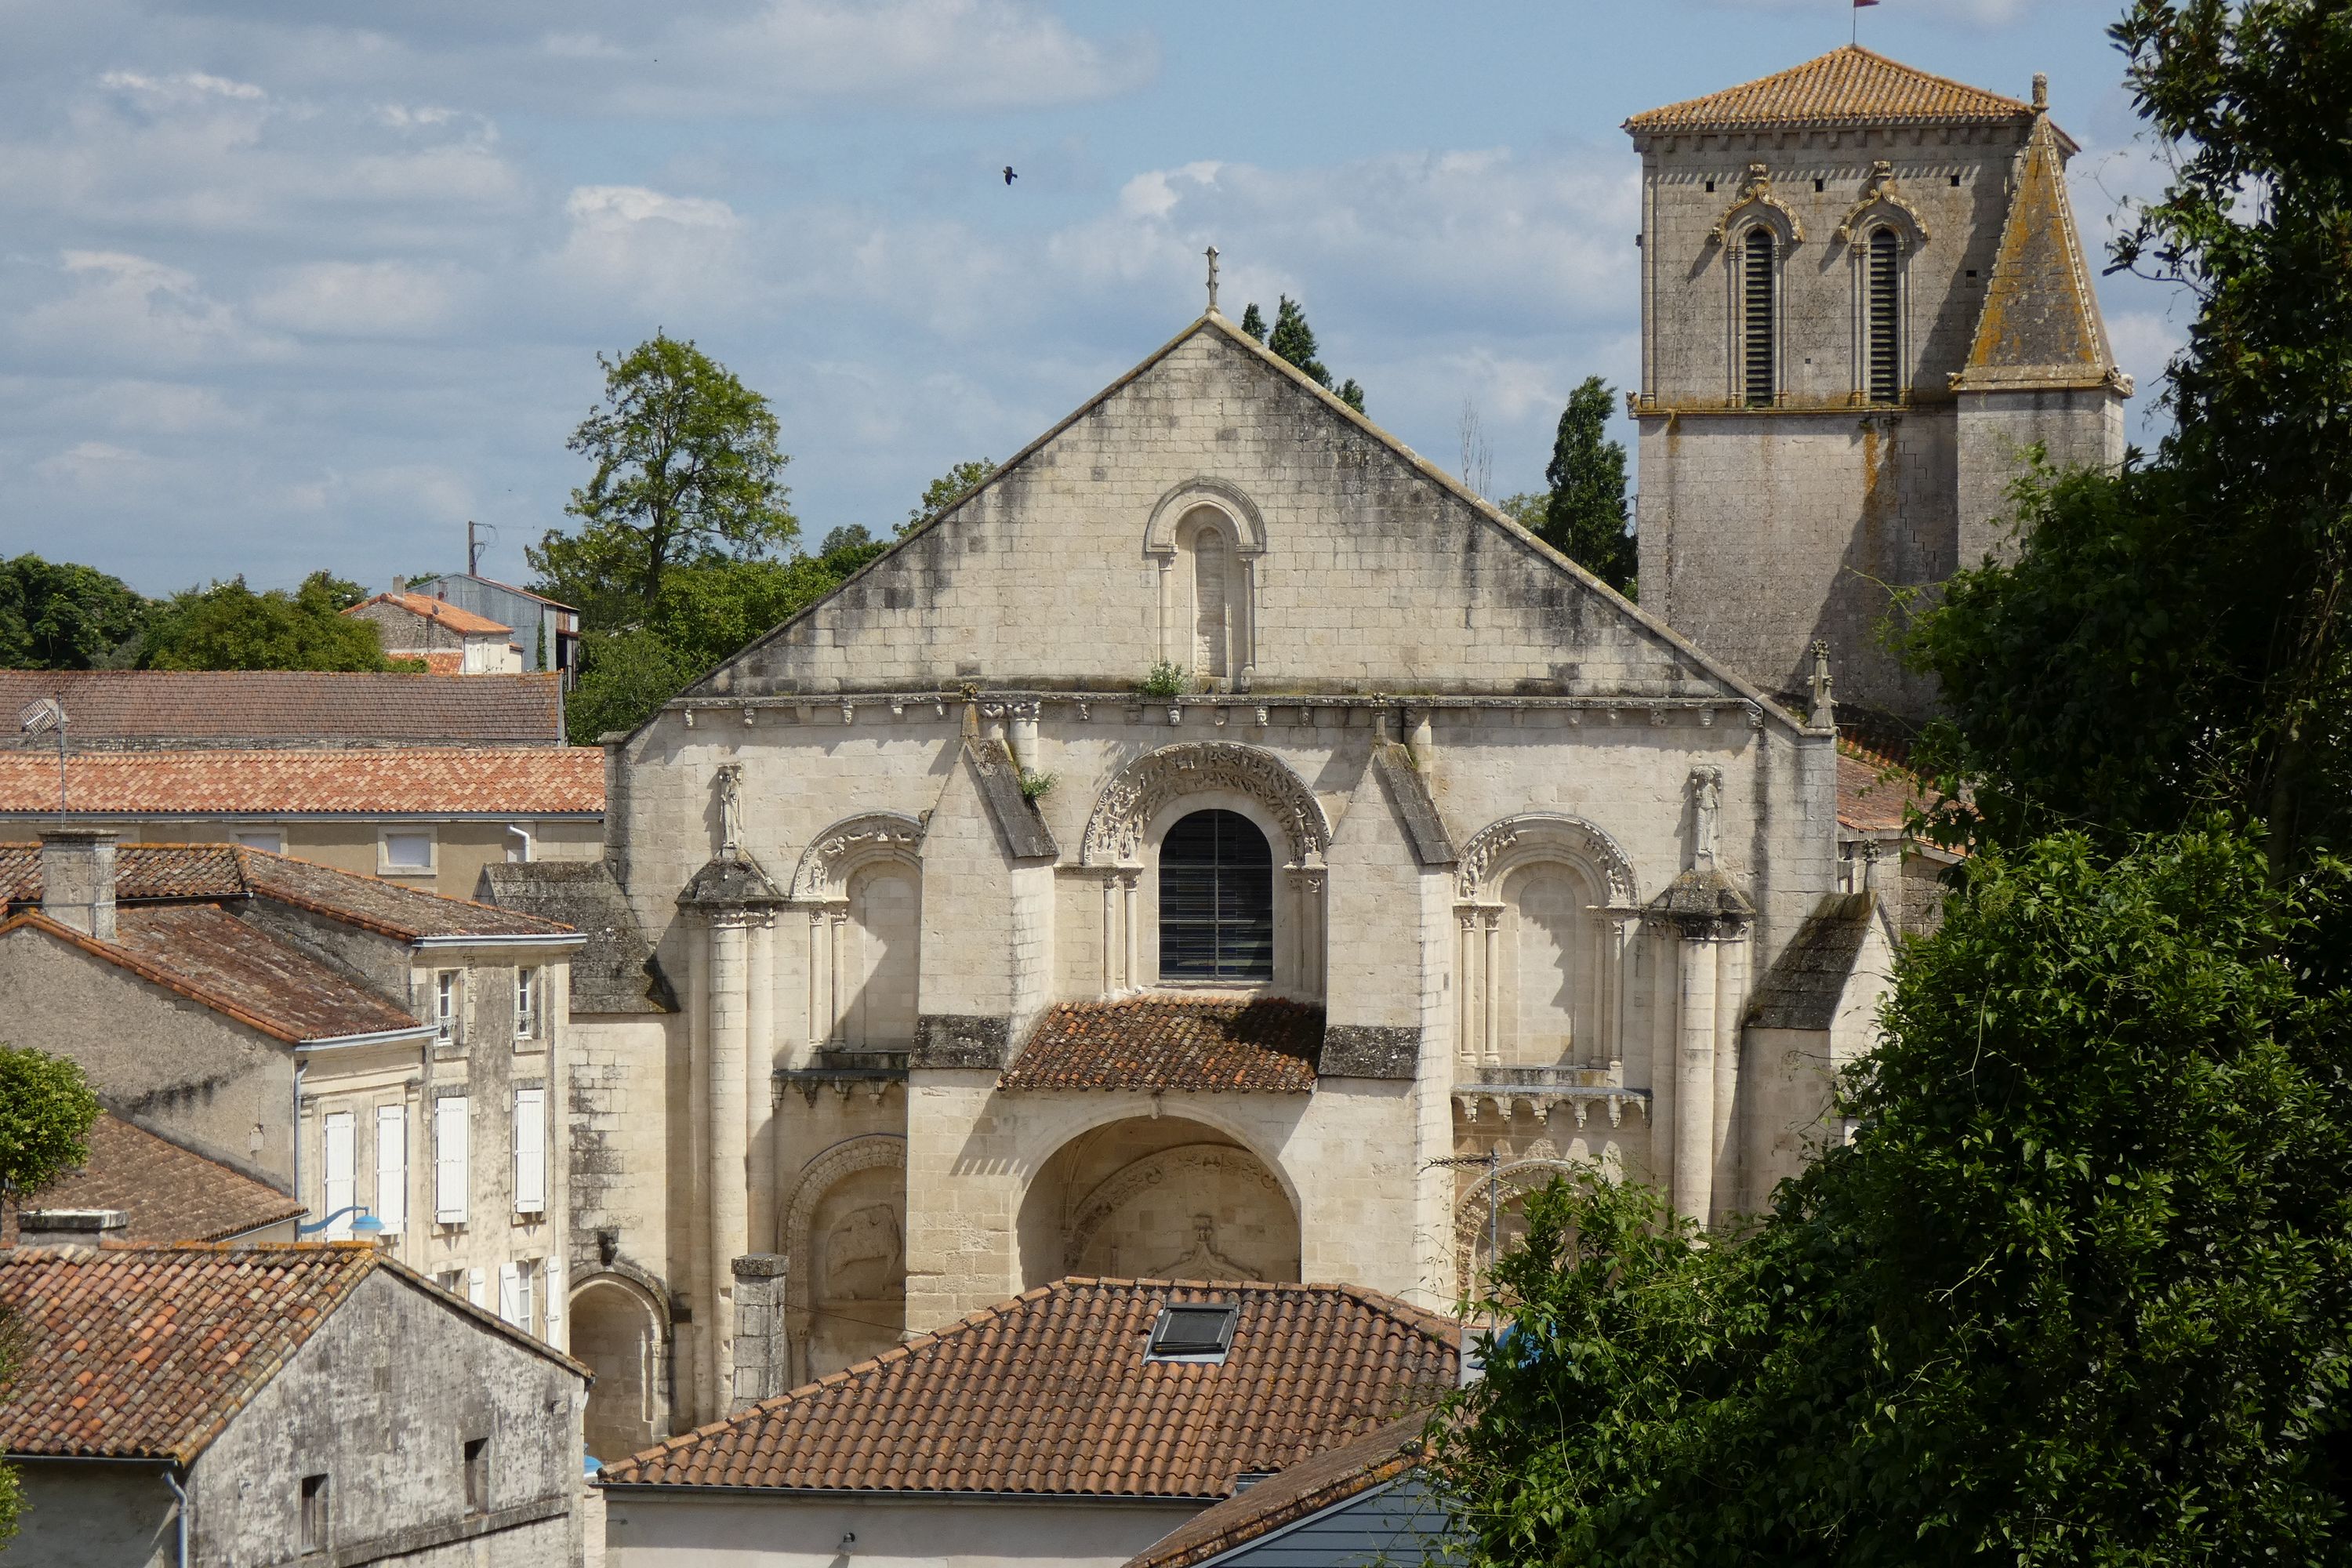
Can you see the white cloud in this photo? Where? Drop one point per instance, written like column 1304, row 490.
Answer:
column 186, row 85
column 362, row 299
column 652, row 249
column 116, row 307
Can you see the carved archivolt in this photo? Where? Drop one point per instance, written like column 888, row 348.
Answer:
column 872, row 1152
column 1512, row 1183
column 1249, row 528
column 1756, row 200
column 1539, row 836
column 1881, row 199
column 824, row 871
column 1133, row 797
column 1132, row 1182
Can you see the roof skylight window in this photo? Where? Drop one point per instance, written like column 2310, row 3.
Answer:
column 1197, row 1332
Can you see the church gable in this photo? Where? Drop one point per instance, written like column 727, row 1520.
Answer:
column 1215, row 511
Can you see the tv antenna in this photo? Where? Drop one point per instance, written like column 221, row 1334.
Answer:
column 40, row 716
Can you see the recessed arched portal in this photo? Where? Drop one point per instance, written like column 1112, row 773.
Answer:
column 618, row 1333
column 1157, row 1197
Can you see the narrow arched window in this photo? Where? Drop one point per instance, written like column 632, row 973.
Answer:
column 1216, row 900
column 1212, row 626
column 1885, row 316
column 1756, row 319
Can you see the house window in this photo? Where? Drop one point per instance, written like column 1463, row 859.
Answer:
column 450, row 1172
column 515, row 1292
column 477, row 1474
column 531, row 1152
column 1211, row 639
column 526, row 1004
column 392, row 1168
column 446, row 998
column 1885, row 285
column 1758, row 371
column 1202, row 1331
column 335, row 1195
column 1216, row 900
column 267, row 838
column 314, row 1514
column 406, row 852
column 452, row 1280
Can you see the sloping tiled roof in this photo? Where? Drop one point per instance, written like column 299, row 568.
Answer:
column 616, row 972
column 1849, row 86
column 392, row 781
column 212, row 954
column 1307, row 1488
column 1806, row 983
column 166, row 1192
column 229, row 871
column 2040, row 324
column 265, row 707
column 1872, row 791
column 147, row 1353
column 1158, row 1043
column 463, row 623
column 1050, row 1394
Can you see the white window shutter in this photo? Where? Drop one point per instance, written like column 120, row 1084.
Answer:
column 476, row 1290
column 531, row 1151
column 510, row 1294
column 451, row 1131
column 392, row 1168
column 551, row 1311
column 335, row 1168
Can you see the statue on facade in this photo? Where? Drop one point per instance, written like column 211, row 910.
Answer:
column 730, row 784
column 1706, row 799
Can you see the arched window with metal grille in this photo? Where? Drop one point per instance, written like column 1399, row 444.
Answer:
column 1885, row 312
column 1759, row 379
column 1216, row 900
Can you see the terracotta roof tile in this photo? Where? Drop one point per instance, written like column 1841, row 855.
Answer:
column 1307, row 1488
column 1050, row 1394
column 464, row 622
column 1873, row 791
column 148, row 1352
column 1160, row 1043
column 142, row 707
column 536, row 781
column 166, row 1194
column 1849, row 86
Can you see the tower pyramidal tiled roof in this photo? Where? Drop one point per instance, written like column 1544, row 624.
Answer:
column 2041, row 325
column 1848, row 85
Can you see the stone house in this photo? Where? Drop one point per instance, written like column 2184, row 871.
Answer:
column 1219, row 847
column 1863, row 299
column 357, row 1045
column 546, row 631
column 449, row 640
column 420, row 779
column 142, row 1188
column 1075, row 1425
column 256, row 1405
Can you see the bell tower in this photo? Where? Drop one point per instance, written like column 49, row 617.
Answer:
column 1863, row 299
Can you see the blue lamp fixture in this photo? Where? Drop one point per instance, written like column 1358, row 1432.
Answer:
column 367, row 1227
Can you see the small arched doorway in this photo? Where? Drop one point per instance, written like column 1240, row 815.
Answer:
column 1157, row 1198
column 618, row 1333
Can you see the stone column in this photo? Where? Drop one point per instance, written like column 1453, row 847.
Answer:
column 1662, row 1053
column 1694, row 1080
column 762, row 1366
column 1731, row 952
column 759, row 1089
column 728, row 1184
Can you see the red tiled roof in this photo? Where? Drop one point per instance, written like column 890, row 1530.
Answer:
column 532, row 781
column 1872, row 791
column 1159, row 1043
column 229, row 871
column 148, row 1352
column 1050, row 1394
column 166, row 1194
column 464, row 622
column 1849, row 86
column 143, row 707
column 1307, row 1488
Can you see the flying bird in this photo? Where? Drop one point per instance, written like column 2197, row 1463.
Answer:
column 1009, row 176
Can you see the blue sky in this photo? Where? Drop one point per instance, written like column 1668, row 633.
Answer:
column 285, row 286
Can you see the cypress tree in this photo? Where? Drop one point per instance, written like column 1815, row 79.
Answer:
column 1254, row 321
column 1585, row 518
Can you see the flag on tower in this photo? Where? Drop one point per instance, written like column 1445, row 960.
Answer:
column 1858, row 4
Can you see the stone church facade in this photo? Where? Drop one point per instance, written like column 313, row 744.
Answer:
column 1222, row 847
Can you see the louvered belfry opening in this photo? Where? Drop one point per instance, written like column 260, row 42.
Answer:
column 1885, row 336
column 1216, row 900
column 1756, row 301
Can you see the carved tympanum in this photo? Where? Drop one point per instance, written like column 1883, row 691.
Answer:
column 1538, row 836
column 1129, row 803
column 822, row 871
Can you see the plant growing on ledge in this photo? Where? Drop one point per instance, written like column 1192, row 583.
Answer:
column 1034, row 784
column 1164, row 680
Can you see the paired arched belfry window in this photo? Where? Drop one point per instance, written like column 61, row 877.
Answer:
column 1216, row 900
column 1758, row 371
column 1883, row 312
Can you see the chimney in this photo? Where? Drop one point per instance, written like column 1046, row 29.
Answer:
column 68, row 1227
column 77, row 879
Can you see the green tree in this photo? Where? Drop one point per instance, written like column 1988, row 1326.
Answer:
column 46, row 1114
column 1254, row 321
column 946, row 490
column 1584, row 517
column 688, row 473
column 227, row 626
column 849, row 536
column 1293, row 340
column 59, row 616
column 1528, row 508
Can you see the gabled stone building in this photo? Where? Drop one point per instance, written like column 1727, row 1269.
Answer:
column 1219, row 847
column 1863, row 299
